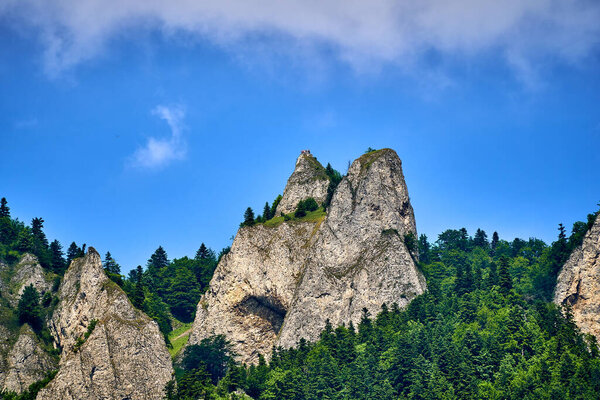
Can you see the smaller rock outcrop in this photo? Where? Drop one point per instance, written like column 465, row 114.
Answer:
column 308, row 180
column 578, row 283
column 28, row 271
column 26, row 363
column 111, row 350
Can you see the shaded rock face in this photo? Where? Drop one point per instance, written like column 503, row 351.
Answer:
column 578, row 283
column 124, row 357
column 26, row 363
column 278, row 285
column 308, row 180
column 254, row 286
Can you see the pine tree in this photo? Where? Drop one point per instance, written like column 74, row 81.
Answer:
column 424, row 248
column 73, row 252
column 480, row 239
column 504, row 278
column 274, row 206
column 492, row 278
column 138, row 291
column 28, row 309
column 4, row 209
column 203, row 253
column 110, row 265
column 57, row 260
column 248, row 217
column 158, row 260
column 266, row 212
column 25, row 241
column 495, row 240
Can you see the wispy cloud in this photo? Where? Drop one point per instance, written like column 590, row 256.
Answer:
column 159, row 152
column 360, row 33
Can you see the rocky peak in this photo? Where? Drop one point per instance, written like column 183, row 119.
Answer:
column 279, row 284
column 111, row 350
column 308, row 180
column 578, row 283
column 28, row 271
column 359, row 259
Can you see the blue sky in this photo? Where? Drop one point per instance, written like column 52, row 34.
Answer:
column 136, row 125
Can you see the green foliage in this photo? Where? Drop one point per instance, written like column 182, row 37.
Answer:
column 81, row 340
column 249, row 219
column 29, row 310
column 305, row 206
column 334, row 180
column 32, row 391
column 214, row 354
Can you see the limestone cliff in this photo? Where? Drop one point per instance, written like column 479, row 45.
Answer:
column 26, row 363
column 308, row 180
column 281, row 283
column 122, row 357
column 578, row 282
column 23, row 358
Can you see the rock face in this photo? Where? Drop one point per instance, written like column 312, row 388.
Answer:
column 23, row 358
column 280, row 284
column 26, row 363
column 578, row 282
column 123, row 357
column 308, row 180
column 28, row 271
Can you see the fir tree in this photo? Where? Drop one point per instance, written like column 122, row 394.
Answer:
column 495, row 240
column 110, row 265
column 25, row 241
column 57, row 260
column 480, row 239
column 504, row 278
column 266, row 212
column 248, row 217
column 73, row 252
column 138, row 291
column 4, row 209
column 424, row 248
column 28, row 309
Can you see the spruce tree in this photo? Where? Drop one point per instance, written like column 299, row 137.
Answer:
column 73, row 252
column 57, row 260
column 202, row 253
column 495, row 240
column 110, row 265
column 492, row 278
column 266, row 212
column 25, row 241
column 28, row 309
column 504, row 278
column 480, row 239
column 248, row 217
column 138, row 291
column 4, row 209
column 424, row 248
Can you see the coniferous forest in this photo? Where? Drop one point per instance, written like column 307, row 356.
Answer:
column 485, row 329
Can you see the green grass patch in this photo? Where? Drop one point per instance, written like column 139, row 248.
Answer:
column 179, row 338
column 311, row 216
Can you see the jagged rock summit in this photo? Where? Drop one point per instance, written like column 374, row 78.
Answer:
column 282, row 281
column 578, row 283
column 110, row 349
column 308, row 180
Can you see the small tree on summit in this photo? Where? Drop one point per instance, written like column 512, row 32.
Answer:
column 110, row 265
column 266, row 212
column 4, row 209
column 248, row 217
column 73, row 252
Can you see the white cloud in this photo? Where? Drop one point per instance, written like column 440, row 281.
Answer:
column 359, row 32
column 159, row 152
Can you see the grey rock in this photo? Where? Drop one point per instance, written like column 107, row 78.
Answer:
column 124, row 357
column 28, row 271
column 26, row 363
column 280, row 284
column 578, row 283
column 308, row 180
